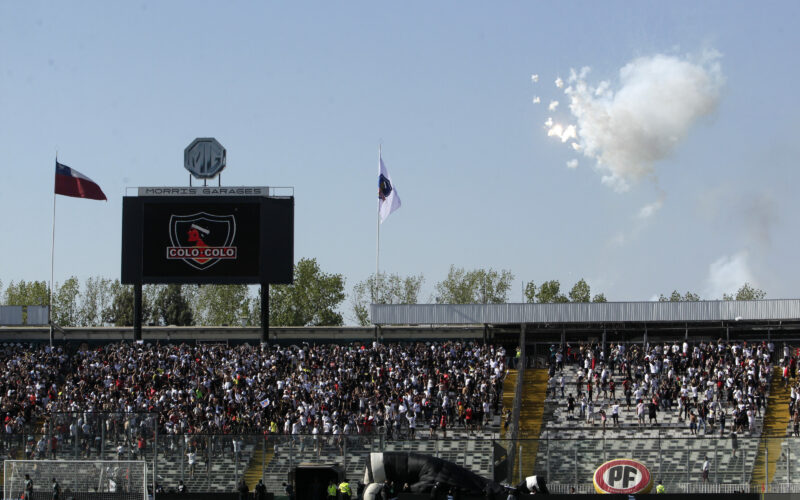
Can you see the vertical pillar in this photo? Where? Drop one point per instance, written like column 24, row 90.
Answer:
column 154, row 416
column 265, row 313
column 137, row 311
column 644, row 339
column 604, row 343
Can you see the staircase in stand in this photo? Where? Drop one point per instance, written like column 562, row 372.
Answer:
column 534, row 391
column 776, row 422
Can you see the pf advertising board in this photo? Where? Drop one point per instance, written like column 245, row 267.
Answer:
column 622, row 476
column 207, row 239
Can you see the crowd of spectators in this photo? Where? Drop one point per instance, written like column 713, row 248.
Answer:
column 710, row 386
column 221, row 389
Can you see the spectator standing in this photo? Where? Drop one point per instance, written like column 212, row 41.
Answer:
column 56, row 489
column 28, row 487
column 243, row 490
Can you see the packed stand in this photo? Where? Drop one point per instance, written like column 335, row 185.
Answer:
column 710, row 387
column 395, row 389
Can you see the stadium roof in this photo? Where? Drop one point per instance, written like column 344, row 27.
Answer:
column 589, row 312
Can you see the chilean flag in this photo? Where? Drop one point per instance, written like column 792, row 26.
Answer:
column 70, row 182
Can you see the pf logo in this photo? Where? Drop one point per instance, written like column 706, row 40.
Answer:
column 201, row 240
column 622, row 476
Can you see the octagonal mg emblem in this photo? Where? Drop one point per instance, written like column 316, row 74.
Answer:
column 204, row 158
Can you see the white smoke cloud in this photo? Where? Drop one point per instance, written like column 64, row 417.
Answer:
column 648, row 210
column 536, row 99
column 573, row 163
column 549, row 122
column 658, row 100
column 534, row 78
column 563, row 133
column 727, row 274
column 552, row 106
column 559, row 82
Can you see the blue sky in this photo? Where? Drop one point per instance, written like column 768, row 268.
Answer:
column 301, row 94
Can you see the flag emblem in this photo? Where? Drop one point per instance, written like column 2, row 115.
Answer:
column 384, row 187
column 387, row 194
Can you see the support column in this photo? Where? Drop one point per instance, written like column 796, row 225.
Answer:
column 604, row 343
column 137, row 311
column 265, row 313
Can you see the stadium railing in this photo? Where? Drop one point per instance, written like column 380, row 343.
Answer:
column 768, row 463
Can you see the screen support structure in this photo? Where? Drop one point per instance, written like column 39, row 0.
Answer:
column 137, row 311
column 264, row 313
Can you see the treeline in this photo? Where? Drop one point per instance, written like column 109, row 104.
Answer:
column 314, row 299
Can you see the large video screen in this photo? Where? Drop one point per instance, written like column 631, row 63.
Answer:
column 207, row 239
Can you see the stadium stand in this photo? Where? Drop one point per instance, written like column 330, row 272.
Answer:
column 216, row 407
column 676, row 404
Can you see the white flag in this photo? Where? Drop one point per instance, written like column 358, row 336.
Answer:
column 387, row 194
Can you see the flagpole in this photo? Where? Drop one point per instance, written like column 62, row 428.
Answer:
column 52, row 261
column 378, row 230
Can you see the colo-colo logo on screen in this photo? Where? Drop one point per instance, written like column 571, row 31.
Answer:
column 201, row 240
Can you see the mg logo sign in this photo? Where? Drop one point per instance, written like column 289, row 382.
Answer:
column 622, row 476
column 204, row 158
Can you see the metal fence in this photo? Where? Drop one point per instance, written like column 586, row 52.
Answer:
column 215, row 462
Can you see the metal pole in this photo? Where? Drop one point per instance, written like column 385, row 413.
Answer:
column 716, row 463
column 519, row 464
column 52, row 264
column 137, row 310
column 766, row 465
column 378, row 233
column 548, row 456
column 265, row 313
column 155, row 452
column 182, row 451
column 575, row 460
column 660, row 458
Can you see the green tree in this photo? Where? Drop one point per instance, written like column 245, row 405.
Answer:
column 312, row 300
column 96, row 298
column 150, row 307
column 675, row 296
column 549, row 292
column 65, row 303
column 219, row 305
column 120, row 311
column 580, row 292
column 600, row 297
column 746, row 292
column 391, row 289
column 478, row 286
column 530, row 292
column 691, row 297
column 28, row 293
column 173, row 309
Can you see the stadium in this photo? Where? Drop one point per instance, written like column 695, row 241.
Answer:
column 484, row 387
column 195, row 339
